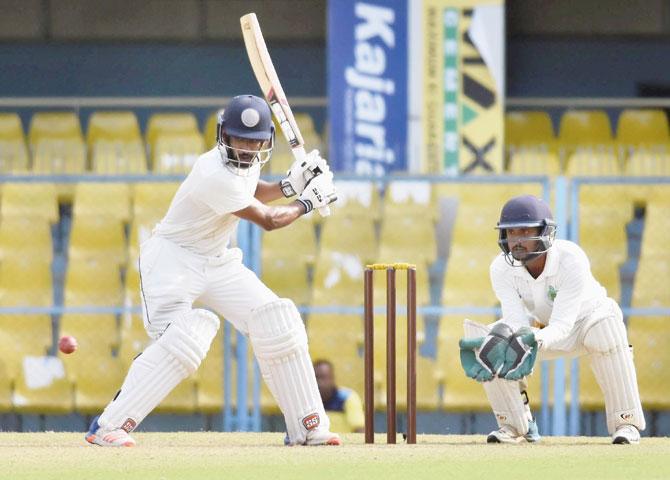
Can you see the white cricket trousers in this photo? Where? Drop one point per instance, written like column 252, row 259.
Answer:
column 172, row 279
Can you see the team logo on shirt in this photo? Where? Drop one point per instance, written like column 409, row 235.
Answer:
column 551, row 293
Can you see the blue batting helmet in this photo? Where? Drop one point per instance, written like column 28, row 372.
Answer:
column 246, row 116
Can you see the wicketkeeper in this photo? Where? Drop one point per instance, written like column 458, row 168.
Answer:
column 551, row 307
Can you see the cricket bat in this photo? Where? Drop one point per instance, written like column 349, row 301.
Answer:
column 267, row 78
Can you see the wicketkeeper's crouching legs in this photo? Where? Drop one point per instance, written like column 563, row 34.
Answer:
column 612, row 363
column 279, row 340
column 153, row 375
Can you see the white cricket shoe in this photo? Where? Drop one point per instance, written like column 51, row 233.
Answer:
column 112, row 438
column 318, row 437
column 626, row 434
column 507, row 434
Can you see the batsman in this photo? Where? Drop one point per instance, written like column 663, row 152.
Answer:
column 188, row 259
column 552, row 306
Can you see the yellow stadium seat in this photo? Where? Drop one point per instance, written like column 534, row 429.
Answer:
column 25, row 282
column 282, row 157
column 151, row 200
column 607, row 274
column 11, row 127
column 354, row 235
column 36, row 200
column 5, row 389
column 210, row 129
column 170, row 124
column 281, row 243
column 96, row 333
column 54, row 125
column 648, row 162
column 650, row 337
column 466, row 280
column 356, row 199
column 118, row 158
column 485, row 196
column 287, row 278
column 47, row 391
column 406, row 198
column 593, row 161
column 579, row 127
column 13, row 157
column 140, row 230
column 338, row 280
column 528, row 128
column 647, row 127
column 177, row 154
column 602, row 232
column 132, row 293
column 651, row 283
column 460, row 393
column 121, row 126
column 59, row 156
column 408, row 238
column 21, row 336
column 97, row 237
column 97, row 379
column 93, row 282
column 533, row 161
column 656, row 233
column 27, row 237
column 134, row 338
column 475, row 222
column 110, row 200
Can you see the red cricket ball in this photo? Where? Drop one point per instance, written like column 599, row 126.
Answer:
column 67, row 344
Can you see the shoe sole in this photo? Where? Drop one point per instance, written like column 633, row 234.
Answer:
column 91, row 439
column 624, row 441
column 494, row 439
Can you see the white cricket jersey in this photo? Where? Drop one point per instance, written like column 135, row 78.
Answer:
column 563, row 294
column 200, row 218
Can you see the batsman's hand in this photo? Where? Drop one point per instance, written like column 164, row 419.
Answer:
column 302, row 171
column 319, row 192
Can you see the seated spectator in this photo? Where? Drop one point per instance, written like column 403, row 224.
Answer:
column 344, row 406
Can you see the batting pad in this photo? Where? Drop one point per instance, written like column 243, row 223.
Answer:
column 160, row 368
column 504, row 395
column 279, row 340
column 613, row 367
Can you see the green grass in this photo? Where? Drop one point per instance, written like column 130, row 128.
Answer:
column 225, row 456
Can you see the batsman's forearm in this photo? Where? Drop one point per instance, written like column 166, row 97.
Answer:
column 282, row 215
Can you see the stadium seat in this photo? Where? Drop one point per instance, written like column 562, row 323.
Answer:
column 475, row 222
column 422, row 287
column 648, row 162
column 131, row 287
column 96, row 333
column 43, row 390
column 11, row 127
column 97, row 379
column 354, row 235
column 602, row 231
column 283, row 243
column 656, row 233
column 5, row 389
column 14, row 157
column 21, row 336
column 170, row 124
column 282, row 157
column 59, row 156
column 528, row 128
column 151, row 200
column 601, row 160
column 111, row 200
column 97, row 237
column 287, row 278
column 466, row 279
column 119, row 126
column 118, row 158
column 338, row 280
column 25, row 282
column 174, row 154
column 406, row 198
column 29, row 200
column 26, row 237
column 650, row 337
column 408, row 238
column 54, row 125
column 356, row 199
column 210, row 129
column 533, row 161
column 643, row 127
column 651, row 281
column 585, row 127
column 93, row 282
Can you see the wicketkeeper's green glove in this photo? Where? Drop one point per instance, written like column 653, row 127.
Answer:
column 482, row 358
column 522, row 347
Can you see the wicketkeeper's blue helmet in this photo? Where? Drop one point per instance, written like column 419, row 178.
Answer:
column 526, row 211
